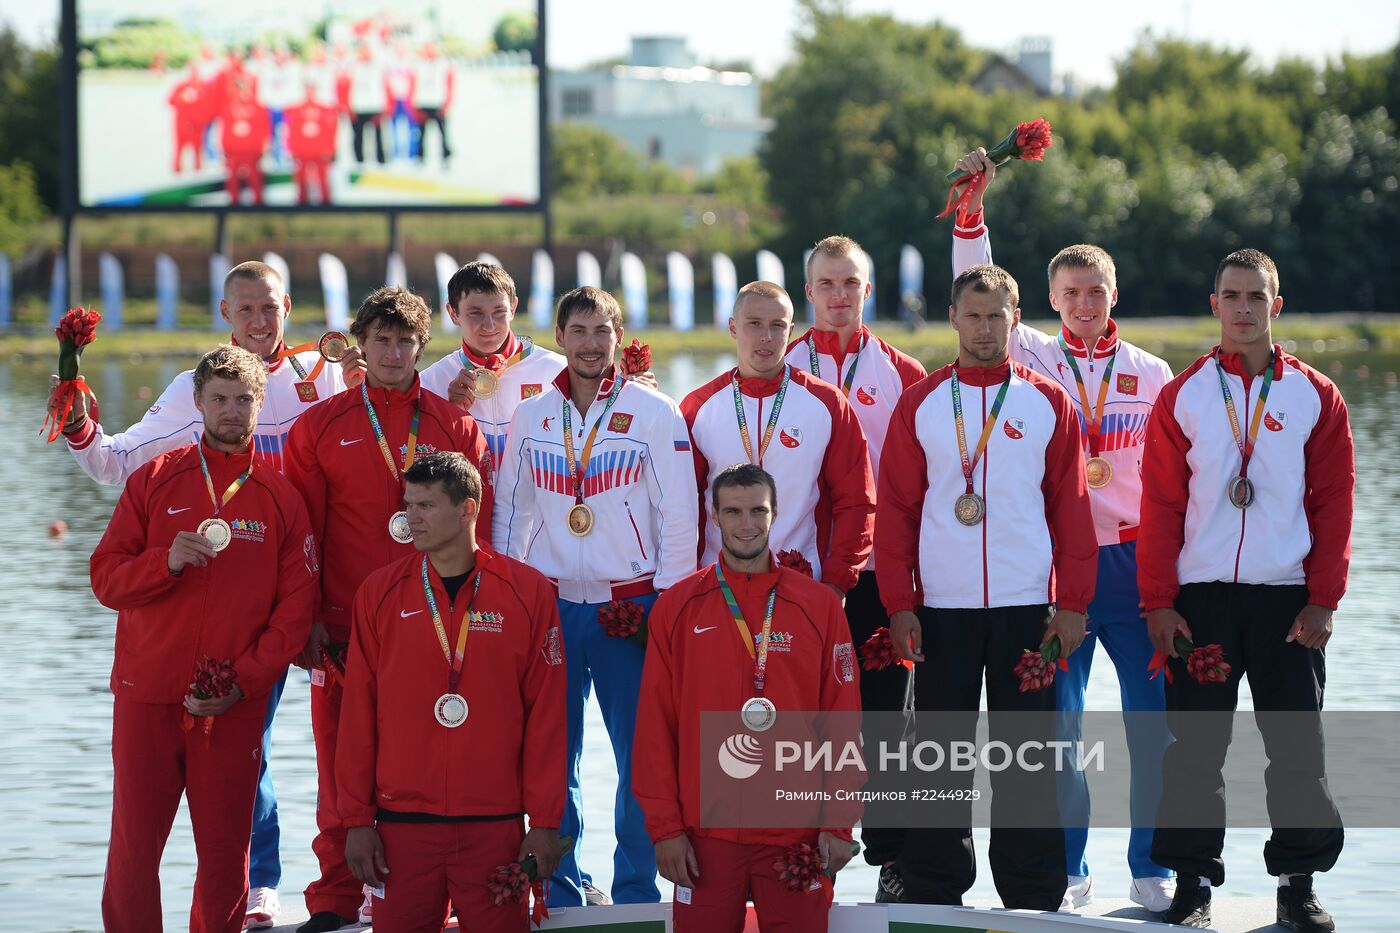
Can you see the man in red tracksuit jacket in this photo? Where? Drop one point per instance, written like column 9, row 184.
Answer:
column 190, row 101
column 698, row 659
column 800, row 429
column 433, row 792
column 1247, row 481
column 347, row 456
column 311, row 132
column 242, row 594
column 983, row 524
column 247, row 129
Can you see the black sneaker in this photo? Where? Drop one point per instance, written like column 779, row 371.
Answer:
column 324, row 921
column 594, row 897
column 1191, row 906
column 1299, row 910
column 891, row 887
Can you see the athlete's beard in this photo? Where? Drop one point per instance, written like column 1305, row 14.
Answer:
column 230, row 437
column 759, row 549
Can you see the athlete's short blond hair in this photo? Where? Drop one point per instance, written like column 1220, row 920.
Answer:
column 761, row 289
column 986, row 277
column 838, row 247
column 1083, row 256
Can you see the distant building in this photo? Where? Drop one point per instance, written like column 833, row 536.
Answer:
column 1027, row 70
column 665, row 106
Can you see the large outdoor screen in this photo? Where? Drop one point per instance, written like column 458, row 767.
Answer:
column 282, row 104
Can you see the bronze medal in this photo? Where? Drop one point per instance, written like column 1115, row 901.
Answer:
column 484, row 383
column 332, row 346
column 970, row 508
column 1241, row 492
column 580, row 520
column 1098, row 471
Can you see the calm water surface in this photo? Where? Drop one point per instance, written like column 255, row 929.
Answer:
column 55, row 764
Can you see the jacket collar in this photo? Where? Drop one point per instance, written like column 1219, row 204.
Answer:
column 983, row 375
column 561, row 382
column 1233, row 363
column 494, row 361
column 828, row 342
column 1105, row 346
column 754, row 387
column 394, row 396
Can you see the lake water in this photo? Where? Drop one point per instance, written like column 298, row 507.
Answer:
column 55, row 763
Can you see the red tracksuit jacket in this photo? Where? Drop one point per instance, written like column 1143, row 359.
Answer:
column 334, row 459
column 509, row 756
column 252, row 603
column 696, row 662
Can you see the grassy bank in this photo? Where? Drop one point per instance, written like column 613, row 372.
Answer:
column 1308, row 334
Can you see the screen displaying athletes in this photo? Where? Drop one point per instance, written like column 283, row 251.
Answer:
column 195, row 103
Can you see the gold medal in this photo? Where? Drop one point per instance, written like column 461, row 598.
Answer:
column 484, row 383
column 1241, row 492
column 970, row 508
column 580, row 520
column 217, row 532
column 332, row 346
column 398, row 528
column 1098, row 471
column 758, row 713
column 450, row 710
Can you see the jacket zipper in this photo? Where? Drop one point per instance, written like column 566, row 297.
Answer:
column 986, row 452
column 628, row 506
column 1243, row 512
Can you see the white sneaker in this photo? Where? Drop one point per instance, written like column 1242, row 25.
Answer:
column 1079, row 892
column 367, row 908
column 263, row 908
column 1155, row 894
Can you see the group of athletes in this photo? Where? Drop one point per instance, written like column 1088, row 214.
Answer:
column 363, row 521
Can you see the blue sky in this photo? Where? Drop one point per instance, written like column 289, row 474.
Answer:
column 1087, row 35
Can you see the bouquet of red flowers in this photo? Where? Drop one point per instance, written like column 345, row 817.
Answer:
column 76, row 330
column 511, row 882
column 212, row 680
column 793, row 559
column 1036, row 669
column 800, row 866
column 636, row 358
column 624, row 619
column 1206, row 665
column 879, row 652
column 1027, row 141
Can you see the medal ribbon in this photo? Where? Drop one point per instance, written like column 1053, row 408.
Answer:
column 968, row 465
column 772, row 416
column 526, row 346
column 1093, row 420
column 454, row 659
column 412, row 449
column 289, row 354
column 760, row 655
column 577, row 470
column 1245, row 443
column 850, row 373
column 231, row 491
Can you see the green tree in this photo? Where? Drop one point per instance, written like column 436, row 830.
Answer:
column 516, row 32
column 28, row 103
column 21, row 212
column 587, row 160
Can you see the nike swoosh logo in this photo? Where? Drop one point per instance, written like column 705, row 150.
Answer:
column 170, row 511
column 345, row 443
column 700, row 631
column 405, row 615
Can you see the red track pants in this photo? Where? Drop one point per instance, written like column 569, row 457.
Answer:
column 336, row 890
column 154, row 761
column 432, row 864
column 733, row 873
